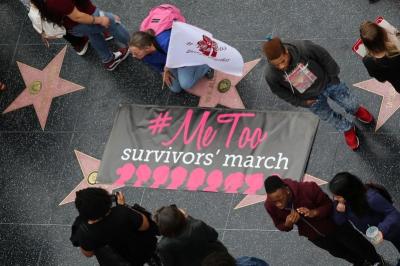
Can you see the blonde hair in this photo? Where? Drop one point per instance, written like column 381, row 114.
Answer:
column 142, row 39
column 376, row 40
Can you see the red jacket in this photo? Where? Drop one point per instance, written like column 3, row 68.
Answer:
column 309, row 195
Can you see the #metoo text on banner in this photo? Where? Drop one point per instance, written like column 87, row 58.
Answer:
column 218, row 150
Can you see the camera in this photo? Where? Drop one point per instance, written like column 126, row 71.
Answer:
column 113, row 198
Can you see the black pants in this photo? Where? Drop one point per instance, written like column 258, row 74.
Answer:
column 347, row 243
column 74, row 40
column 396, row 241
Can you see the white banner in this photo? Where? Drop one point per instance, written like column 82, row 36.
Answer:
column 191, row 46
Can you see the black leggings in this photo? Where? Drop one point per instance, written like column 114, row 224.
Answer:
column 73, row 40
column 347, row 243
column 396, row 242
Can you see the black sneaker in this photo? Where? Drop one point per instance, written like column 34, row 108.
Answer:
column 373, row 1
column 210, row 73
column 81, row 48
column 119, row 56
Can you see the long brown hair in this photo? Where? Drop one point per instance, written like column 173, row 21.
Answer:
column 47, row 14
column 376, row 40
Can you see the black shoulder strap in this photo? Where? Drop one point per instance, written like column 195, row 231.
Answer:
column 158, row 47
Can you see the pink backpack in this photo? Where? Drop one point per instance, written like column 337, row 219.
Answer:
column 160, row 18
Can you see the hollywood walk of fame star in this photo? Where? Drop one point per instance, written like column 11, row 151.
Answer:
column 254, row 199
column 89, row 167
column 42, row 86
column 390, row 102
column 208, row 92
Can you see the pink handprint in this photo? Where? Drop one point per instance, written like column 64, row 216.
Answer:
column 214, row 180
column 143, row 174
column 254, row 182
column 160, row 176
column 178, row 176
column 196, row 179
column 233, row 182
column 125, row 173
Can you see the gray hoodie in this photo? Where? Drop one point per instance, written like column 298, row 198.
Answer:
column 318, row 61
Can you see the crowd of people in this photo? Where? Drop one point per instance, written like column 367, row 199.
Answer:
column 127, row 235
column 301, row 73
column 331, row 225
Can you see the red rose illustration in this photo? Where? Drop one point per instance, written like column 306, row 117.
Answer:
column 207, row 46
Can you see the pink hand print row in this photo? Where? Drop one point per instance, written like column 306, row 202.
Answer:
column 198, row 179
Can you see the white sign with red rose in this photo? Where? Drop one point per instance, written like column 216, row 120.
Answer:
column 191, row 46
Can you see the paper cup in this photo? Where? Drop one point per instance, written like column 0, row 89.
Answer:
column 373, row 234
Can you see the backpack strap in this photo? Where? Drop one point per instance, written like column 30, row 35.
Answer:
column 158, row 48
column 153, row 228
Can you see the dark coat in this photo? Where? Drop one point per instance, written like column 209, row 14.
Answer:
column 191, row 246
column 308, row 195
column 382, row 214
column 319, row 62
column 384, row 69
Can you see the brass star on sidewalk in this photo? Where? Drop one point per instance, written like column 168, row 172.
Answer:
column 221, row 89
column 390, row 102
column 254, row 199
column 42, row 86
column 89, row 167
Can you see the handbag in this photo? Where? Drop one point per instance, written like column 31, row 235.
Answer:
column 47, row 29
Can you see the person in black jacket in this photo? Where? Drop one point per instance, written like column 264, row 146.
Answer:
column 185, row 240
column 129, row 234
column 383, row 58
column 305, row 74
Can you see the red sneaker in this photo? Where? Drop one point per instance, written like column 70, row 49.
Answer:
column 351, row 138
column 119, row 56
column 363, row 115
column 107, row 36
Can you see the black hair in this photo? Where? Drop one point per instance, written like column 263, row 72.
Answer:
column 93, row 203
column 46, row 14
column 353, row 190
column 219, row 259
column 273, row 183
column 170, row 220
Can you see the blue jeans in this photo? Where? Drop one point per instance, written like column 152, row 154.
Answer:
column 96, row 38
column 186, row 77
column 339, row 93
